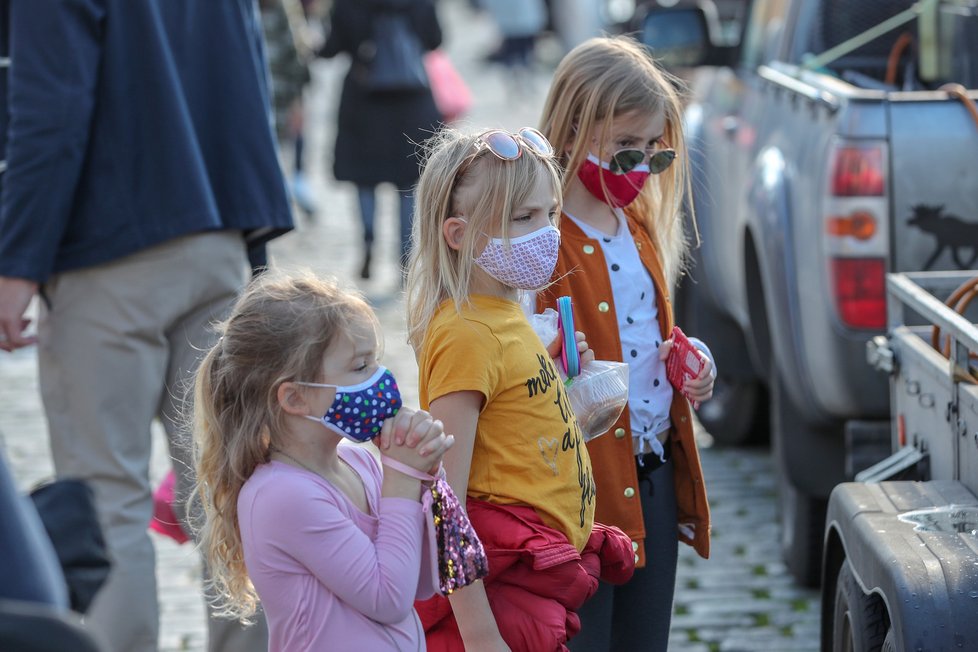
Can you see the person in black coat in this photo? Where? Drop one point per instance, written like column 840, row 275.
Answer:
column 378, row 132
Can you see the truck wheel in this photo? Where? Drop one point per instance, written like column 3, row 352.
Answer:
column 802, row 515
column 860, row 623
column 732, row 416
column 802, row 526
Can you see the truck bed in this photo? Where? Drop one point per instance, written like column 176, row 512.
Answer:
column 934, row 398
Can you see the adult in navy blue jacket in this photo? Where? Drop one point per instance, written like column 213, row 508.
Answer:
column 141, row 164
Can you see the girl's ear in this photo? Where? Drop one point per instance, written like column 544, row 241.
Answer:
column 453, row 229
column 291, row 399
column 569, row 145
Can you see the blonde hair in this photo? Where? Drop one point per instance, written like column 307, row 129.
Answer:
column 607, row 77
column 278, row 331
column 454, row 161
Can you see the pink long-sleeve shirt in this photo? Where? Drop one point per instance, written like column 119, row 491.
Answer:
column 329, row 576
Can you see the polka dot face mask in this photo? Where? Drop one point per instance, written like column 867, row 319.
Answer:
column 358, row 411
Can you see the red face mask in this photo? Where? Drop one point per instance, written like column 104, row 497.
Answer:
column 622, row 189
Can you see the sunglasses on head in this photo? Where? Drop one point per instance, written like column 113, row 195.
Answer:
column 509, row 147
column 625, row 160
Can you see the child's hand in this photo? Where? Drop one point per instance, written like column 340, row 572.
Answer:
column 587, row 355
column 407, row 426
column 697, row 389
column 553, row 349
column 414, row 438
column 700, row 389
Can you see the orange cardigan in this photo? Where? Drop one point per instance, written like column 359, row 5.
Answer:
column 583, row 275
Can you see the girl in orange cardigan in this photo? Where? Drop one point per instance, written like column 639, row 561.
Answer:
column 614, row 118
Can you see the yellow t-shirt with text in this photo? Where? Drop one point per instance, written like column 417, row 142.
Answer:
column 528, row 447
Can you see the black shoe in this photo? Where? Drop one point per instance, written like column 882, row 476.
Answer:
column 365, row 270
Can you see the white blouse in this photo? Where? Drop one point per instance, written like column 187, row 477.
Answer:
column 649, row 392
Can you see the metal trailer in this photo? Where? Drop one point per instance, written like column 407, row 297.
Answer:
column 900, row 567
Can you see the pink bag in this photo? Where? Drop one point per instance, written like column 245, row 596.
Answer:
column 164, row 520
column 452, row 96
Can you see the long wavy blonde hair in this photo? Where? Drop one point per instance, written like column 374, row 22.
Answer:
column 454, row 161
column 278, row 331
column 607, row 77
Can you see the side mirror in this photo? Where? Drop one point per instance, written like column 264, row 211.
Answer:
column 678, row 37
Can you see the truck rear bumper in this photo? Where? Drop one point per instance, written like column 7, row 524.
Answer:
column 928, row 579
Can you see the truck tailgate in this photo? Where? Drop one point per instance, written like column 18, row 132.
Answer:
column 935, row 182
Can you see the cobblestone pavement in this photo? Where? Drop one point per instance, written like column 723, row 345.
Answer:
column 742, row 599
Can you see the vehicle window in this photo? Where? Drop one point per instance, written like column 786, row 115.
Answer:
column 731, row 15
column 765, row 22
column 839, row 20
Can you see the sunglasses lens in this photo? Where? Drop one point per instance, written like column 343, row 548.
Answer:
column 502, row 145
column 626, row 160
column 536, row 141
column 661, row 160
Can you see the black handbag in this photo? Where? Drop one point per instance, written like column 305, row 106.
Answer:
column 394, row 55
column 67, row 510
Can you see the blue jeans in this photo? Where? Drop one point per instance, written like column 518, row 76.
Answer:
column 636, row 616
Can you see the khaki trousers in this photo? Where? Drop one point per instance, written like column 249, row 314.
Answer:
column 118, row 344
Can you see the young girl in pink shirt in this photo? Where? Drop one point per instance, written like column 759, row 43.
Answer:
column 331, row 544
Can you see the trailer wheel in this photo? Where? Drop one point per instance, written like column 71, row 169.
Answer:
column 889, row 643
column 860, row 622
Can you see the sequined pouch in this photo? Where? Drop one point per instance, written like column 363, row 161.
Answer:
column 460, row 557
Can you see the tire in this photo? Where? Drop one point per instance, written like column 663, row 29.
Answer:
column 802, row 515
column 734, row 416
column 860, row 621
column 889, row 643
column 802, row 528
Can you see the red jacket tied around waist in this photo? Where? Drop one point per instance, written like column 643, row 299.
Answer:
column 537, row 580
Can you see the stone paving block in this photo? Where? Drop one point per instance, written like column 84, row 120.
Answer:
column 792, row 615
column 709, row 606
column 716, row 620
column 683, row 644
column 763, row 641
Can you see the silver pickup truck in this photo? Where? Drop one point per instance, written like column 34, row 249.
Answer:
column 825, row 154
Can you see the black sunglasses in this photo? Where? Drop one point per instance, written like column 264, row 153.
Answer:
column 625, row 160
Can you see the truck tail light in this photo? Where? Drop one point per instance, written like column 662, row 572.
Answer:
column 860, row 291
column 856, row 231
column 858, row 171
column 860, row 225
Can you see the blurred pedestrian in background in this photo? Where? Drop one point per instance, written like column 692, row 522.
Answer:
column 519, row 22
column 383, row 115
column 141, row 167
column 283, row 24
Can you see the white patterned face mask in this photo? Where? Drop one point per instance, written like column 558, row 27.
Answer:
column 527, row 263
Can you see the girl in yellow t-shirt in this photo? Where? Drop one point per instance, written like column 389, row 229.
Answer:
column 485, row 229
